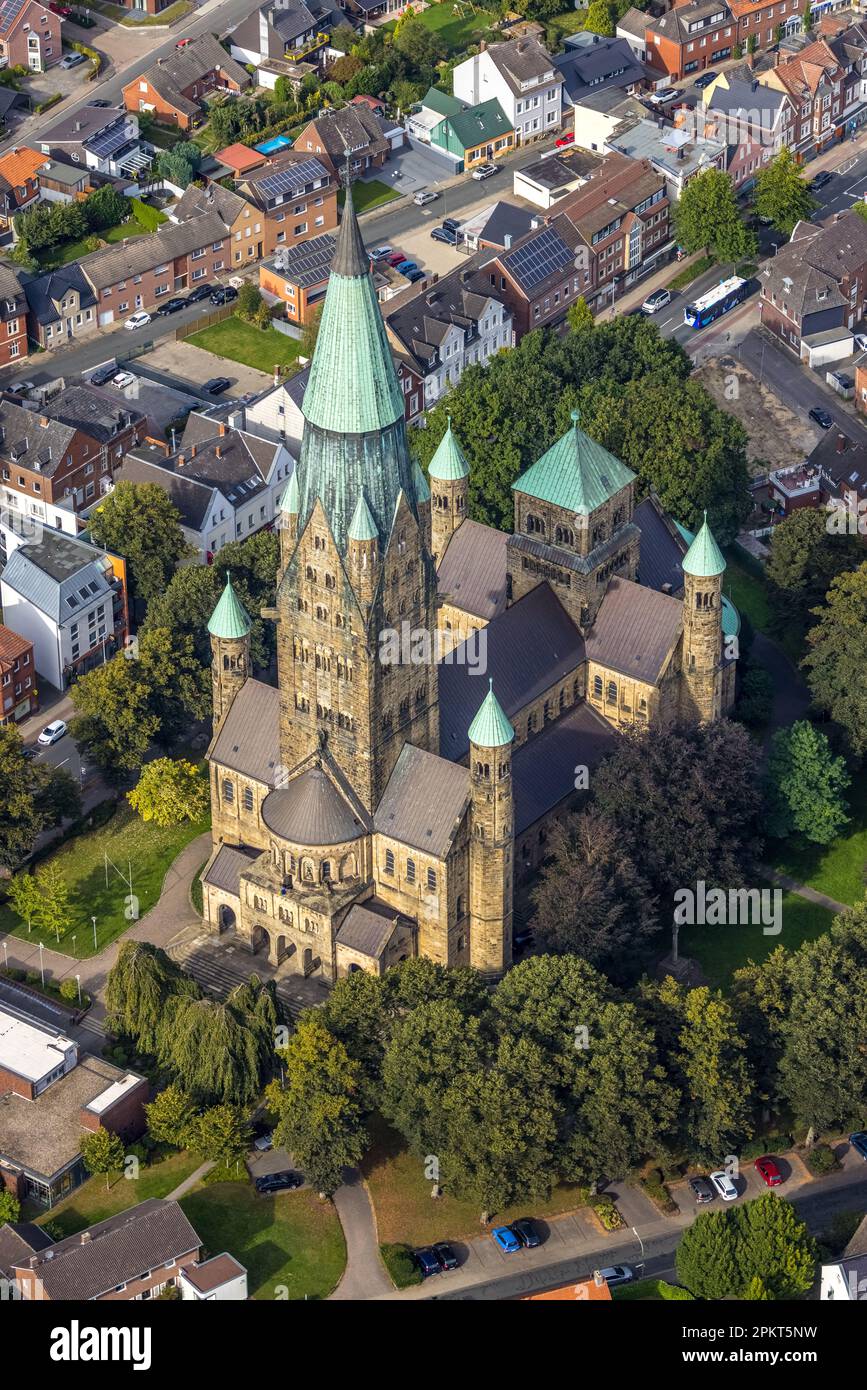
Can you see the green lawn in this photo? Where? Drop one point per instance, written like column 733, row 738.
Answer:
column 150, row 852
column 369, row 193
column 91, row 1203
column 291, row 1245
column 656, row 1290
column 457, row 25
column 837, row 869
column 748, row 592
column 722, row 950
column 74, row 250
column 167, row 16
column 406, row 1212
column 242, row 342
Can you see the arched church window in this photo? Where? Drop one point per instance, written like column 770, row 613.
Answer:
column 326, row 871
column 597, row 687
column 410, row 871
column 612, row 693
column 248, row 799
column 432, row 880
column 389, row 861
column 228, row 791
column 459, row 906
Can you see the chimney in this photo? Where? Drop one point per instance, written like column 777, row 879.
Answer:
column 86, row 1237
column 276, row 373
column 483, row 43
column 44, row 422
column 182, row 458
column 219, row 451
column 236, row 419
column 841, row 443
column 224, row 429
column 507, row 241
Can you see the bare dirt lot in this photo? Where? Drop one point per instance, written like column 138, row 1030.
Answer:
column 777, row 437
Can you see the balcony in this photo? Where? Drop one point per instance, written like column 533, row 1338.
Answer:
column 309, row 45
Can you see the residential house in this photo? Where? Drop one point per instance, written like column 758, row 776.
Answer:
column 104, row 139
column 63, row 183
column 554, row 176
column 766, row 20
column 840, row 459
column 632, row 26
column 225, row 480
column 851, row 49
column 467, row 134
column 522, row 77
column 30, row 35
column 221, row 1279
column 845, row 1281
column 446, row 327
column 539, row 278
column 153, row 7
column 298, row 277
column 19, row 696
column 677, row 153
column 133, row 1255
column 690, row 38
column 13, row 317
column 51, row 1096
column 296, row 197
column 366, row 11
column 591, row 66
column 815, row 79
column 817, row 284
column 137, row 274
column 497, row 227
column 354, row 131
column 69, row 599
column 752, row 120
column 63, row 452
column 176, row 88
column 19, row 184
column 61, row 305
column 290, row 29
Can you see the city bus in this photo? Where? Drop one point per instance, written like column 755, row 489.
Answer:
column 716, row 302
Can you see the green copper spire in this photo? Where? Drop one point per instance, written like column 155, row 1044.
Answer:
column 289, row 496
column 362, row 527
column 230, row 618
column 448, row 463
column 576, row 473
column 353, row 387
column 704, row 559
column 422, row 491
column 491, row 728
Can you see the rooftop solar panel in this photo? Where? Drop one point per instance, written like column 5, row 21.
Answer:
column 294, row 178
column 309, row 263
column 8, row 10
column 109, row 141
column 547, row 254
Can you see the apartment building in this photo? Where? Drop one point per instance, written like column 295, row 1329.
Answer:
column 521, row 76
column 690, row 38
column 13, row 317
column 815, row 79
column 296, row 199
column 30, row 35
column 19, row 696
column 817, row 283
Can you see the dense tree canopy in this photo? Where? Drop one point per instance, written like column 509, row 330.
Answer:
column 804, row 559
column 806, row 789
column 837, row 656
column 141, row 523
column 782, row 193
column 707, row 218
column 757, row 1250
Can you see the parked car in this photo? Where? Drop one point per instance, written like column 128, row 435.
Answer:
column 724, row 1186
column 704, row 80
column 485, row 171
column 52, row 732
column 427, row 1262
column 451, row 224
column 617, row 1274
column 413, row 275
column 396, row 257
column 445, row 234
column 656, row 301
column 224, row 294
column 203, row 291
column 424, row 195
column 217, row 385
column 122, row 380
column 72, row 60
column 171, row 306
column 381, row 253
column 102, row 375
column 526, row 1232
column 821, row 416
column 506, row 1240
column 279, row 1182
column 701, row 1190
column 567, row 139
column 263, row 1142
column 821, row 180
column 403, row 267
column 29, row 753
column 23, row 388
column 140, row 319
column 446, row 1255
column 768, row 1172
column 182, row 43
column 100, row 101
column 860, row 341
column 63, row 10
column 858, row 1140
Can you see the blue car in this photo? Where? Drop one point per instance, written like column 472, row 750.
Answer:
column 403, row 266
column 506, row 1240
column 427, row 1262
column 859, row 1143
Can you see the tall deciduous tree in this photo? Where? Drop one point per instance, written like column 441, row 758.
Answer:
column 137, row 990
column 707, row 218
column 837, row 656
column 170, row 790
column 782, row 194
column 169, row 1117
column 804, row 559
column 21, row 820
column 806, row 785
column 52, row 913
column 103, row 1152
column 141, row 523
column 24, row 897
column 212, row 1050
column 220, row 1135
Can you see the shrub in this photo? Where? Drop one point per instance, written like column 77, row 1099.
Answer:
column 821, row 1160
column 146, row 216
column 32, row 977
column 660, row 1195
column 607, row 1212
column 69, row 989
column 766, row 1144
column 398, row 1260
column 47, row 104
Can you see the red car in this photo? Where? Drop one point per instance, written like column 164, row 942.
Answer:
column 182, row 43
column 567, row 139
column 63, row 10
column 768, row 1172
column 396, row 258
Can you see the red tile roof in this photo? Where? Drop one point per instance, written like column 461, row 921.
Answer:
column 12, row 646
column 240, row 157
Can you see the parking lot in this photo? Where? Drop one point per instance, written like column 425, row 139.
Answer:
column 159, row 403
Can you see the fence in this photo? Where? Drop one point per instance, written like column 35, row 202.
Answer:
column 224, row 311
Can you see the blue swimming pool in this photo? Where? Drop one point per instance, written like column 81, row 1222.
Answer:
column 279, row 142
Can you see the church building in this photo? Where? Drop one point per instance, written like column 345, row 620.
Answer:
column 444, row 689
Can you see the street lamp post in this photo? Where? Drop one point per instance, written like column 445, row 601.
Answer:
column 641, row 1243
column 78, row 981
column 41, row 964
column 93, row 920
column 5, row 955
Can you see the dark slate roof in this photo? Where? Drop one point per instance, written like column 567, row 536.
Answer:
column 472, row 573
column 18, row 1241
column 369, row 926
column 520, row 60
column 311, row 811
column 195, row 202
column 182, row 67
column 560, row 170
column 97, row 413
column 81, row 125
column 506, row 220
column 249, row 740
column 119, row 1250
column 675, row 24
column 604, row 62
column 351, row 129
column 635, row 629
column 227, row 866
column 135, row 257
column 529, row 648
column 192, row 499
column 45, row 289
column 239, row 471
column 425, row 799
column 543, row 769
column 420, row 320
column 662, row 547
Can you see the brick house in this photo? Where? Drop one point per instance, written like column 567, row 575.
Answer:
column 690, row 38
column 19, row 697
column 141, row 272
column 61, row 306
column 353, row 131
column 816, row 81
column 175, row 88
column 753, row 120
column 817, row 283
column 763, row 19
column 30, row 35
column 296, row 198
column 13, row 317
column 19, row 183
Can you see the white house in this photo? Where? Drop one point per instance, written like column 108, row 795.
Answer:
column 221, row 1279
column 846, row 1281
column 521, row 75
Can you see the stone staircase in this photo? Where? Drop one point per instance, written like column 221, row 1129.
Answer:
column 218, row 966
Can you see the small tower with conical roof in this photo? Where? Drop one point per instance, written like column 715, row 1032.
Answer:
column 492, row 832
column 363, row 552
column 703, row 568
column 449, row 483
column 288, row 522
column 229, row 626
